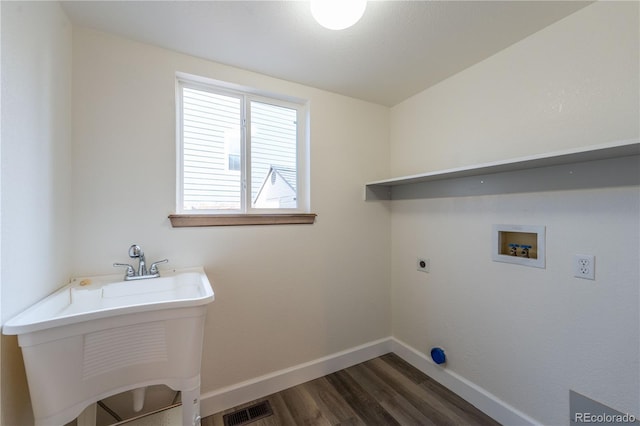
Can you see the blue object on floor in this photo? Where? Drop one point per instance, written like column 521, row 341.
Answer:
column 438, row 356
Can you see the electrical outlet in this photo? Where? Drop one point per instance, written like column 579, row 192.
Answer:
column 584, row 266
column 423, row 265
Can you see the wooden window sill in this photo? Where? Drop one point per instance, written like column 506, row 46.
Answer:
column 195, row 220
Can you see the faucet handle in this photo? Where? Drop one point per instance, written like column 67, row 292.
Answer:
column 130, row 271
column 154, row 266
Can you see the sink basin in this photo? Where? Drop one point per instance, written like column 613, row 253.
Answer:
column 89, row 298
column 99, row 336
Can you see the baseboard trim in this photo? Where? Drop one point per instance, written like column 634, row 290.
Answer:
column 469, row 391
column 240, row 393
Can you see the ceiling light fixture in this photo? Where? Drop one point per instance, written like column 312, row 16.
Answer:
column 337, row 14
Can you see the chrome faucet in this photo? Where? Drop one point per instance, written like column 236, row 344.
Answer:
column 135, row 252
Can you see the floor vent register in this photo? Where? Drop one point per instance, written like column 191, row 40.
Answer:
column 248, row 414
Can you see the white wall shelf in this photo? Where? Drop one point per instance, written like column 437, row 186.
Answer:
column 613, row 164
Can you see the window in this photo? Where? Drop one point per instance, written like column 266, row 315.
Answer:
column 239, row 151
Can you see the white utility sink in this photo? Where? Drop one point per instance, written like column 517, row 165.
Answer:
column 99, row 336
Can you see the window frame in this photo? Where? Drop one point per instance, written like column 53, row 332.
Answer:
column 244, row 215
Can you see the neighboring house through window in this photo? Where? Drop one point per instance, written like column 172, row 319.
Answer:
column 277, row 189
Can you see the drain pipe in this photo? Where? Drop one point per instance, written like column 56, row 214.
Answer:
column 138, row 398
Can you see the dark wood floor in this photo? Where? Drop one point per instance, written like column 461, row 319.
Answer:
column 382, row 391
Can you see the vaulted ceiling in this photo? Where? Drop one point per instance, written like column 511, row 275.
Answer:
column 396, row 50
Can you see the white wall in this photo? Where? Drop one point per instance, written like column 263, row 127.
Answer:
column 36, row 173
column 284, row 294
column 1, row 410
column 526, row 335
column 570, row 85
